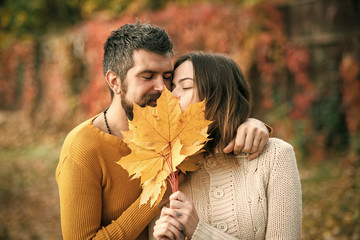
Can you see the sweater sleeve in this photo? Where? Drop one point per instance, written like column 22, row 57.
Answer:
column 204, row 231
column 269, row 129
column 284, row 195
column 81, row 207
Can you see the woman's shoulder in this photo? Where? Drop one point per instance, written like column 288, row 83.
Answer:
column 277, row 151
column 278, row 144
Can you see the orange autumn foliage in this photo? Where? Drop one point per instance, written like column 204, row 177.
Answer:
column 160, row 139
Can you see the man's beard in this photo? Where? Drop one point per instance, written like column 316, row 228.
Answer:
column 128, row 106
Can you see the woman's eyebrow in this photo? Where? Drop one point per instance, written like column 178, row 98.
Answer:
column 186, row 78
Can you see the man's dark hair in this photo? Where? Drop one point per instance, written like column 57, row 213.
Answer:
column 120, row 45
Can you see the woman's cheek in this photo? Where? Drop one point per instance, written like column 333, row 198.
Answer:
column 184, row 104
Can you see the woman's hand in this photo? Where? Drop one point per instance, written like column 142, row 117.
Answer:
column 181, row 218
column 165, row 199
column 168, row 227
column 183, row 209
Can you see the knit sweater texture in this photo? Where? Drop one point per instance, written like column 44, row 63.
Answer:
column 97, row 198
column 240, row 199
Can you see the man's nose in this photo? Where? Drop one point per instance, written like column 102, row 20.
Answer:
column 159, row 84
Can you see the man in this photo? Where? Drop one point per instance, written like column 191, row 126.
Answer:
column 97, row 198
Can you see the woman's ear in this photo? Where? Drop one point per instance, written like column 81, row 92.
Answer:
column 113, row 80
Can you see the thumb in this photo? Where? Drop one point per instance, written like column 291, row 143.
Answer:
column 176, row 196
column 253, row 156
column 230, row 147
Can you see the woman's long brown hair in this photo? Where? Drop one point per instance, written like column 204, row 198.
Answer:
column 221, row 82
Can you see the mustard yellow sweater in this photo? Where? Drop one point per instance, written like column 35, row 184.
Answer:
column 97, row 198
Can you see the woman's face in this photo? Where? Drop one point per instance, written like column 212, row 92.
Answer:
column 184, row 86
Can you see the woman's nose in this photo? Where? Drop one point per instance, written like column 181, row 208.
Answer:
column 175, row 92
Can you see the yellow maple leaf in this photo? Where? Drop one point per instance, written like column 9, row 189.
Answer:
column 154, row 188
column 153, row 128
column 160, row 138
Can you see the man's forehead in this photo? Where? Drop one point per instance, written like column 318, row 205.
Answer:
column 150, row 61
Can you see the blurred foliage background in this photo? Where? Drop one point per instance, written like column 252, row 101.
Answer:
column 300, row 56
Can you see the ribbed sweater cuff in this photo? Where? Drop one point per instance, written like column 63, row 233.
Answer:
column 204, row 231
column 135, row 216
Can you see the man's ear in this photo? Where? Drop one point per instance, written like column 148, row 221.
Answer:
column 113, row 80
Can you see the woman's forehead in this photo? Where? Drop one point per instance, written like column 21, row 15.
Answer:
column 184, row 69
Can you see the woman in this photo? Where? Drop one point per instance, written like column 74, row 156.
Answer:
column 230, row 197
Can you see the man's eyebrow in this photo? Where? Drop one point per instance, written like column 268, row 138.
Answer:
column 169, row 72
column 147, row 71
column 152, row 71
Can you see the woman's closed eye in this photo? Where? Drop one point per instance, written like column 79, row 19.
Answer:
column 187, row 84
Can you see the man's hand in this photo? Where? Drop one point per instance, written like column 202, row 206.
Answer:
column 251, row 138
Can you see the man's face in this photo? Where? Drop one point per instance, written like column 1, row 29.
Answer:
column 146, row 80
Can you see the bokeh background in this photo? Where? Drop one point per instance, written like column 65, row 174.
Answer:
column 302, row 58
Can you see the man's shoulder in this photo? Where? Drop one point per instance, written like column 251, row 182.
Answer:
column 80, row 132
column 81, row 139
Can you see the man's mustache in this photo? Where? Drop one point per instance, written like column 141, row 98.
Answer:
column 149, row 98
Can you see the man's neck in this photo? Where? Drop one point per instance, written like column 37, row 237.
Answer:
column 116, row 120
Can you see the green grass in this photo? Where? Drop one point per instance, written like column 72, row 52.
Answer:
column 28, row 192
column 331, row 201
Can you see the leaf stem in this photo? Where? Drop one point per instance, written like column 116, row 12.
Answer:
column 173, row 177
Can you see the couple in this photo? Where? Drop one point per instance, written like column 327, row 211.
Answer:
column 229, row 197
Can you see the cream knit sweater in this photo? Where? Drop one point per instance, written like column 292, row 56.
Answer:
column 240, row 199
